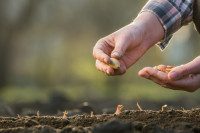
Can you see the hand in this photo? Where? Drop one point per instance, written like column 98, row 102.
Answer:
column 185, row 77
column 128, row 44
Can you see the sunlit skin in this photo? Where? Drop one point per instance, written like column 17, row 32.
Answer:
column 128, row 44
column 185, row 77
column 131, row 42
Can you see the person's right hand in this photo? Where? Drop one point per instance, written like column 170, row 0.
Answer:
column 128, row 44
column 119, row 45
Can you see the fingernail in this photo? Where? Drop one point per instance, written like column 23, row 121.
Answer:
column 115, row 54
column 173, row 76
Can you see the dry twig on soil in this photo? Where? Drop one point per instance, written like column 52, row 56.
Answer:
column 139, row 107
column 118, row 111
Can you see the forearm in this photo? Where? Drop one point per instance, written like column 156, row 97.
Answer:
column 172, row 14
column 153, row 31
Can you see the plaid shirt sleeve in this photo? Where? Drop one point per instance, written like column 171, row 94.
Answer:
column 173, row 14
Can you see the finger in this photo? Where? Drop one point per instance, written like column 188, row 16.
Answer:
column 156, row 80
column 159, row 82
column 156, row 76
column 101, row 51
column 121, row 70
column 143, row 73
column 163, row 84
column 104, row 68
column 146, row 75
column 119, row 49
column 184, row 70
column 189, row 84
column 149, row 71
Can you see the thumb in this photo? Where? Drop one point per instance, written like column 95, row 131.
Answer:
column 119, row 49
column 184, row 70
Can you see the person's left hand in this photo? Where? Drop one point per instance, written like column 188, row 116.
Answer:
column 185, row 77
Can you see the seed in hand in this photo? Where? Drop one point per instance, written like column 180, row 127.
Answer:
column 114, row 63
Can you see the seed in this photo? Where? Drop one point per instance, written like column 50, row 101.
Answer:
column 163, row 68
column 114, row 63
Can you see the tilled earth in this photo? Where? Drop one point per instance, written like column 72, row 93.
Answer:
column 128, row 121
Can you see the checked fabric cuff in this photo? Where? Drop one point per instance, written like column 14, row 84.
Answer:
column 172, row 14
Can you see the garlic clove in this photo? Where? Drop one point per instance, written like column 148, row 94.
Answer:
column 114, row 63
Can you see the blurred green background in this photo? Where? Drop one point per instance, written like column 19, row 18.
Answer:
column 46, row 48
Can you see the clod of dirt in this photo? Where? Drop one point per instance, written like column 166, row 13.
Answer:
column 128, row 121
column 114, row 126
column 152, row 128
column 138, row 126
column 41, row 129
column 196, row 130
column 66, row 130
column 30, row 123
column 182, row 126
column 5, row 110
column 36, row 129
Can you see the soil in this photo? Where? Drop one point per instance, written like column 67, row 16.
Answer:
column 128, row 121
column 181, row 116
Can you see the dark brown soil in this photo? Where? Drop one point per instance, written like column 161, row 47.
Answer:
column 129, row 121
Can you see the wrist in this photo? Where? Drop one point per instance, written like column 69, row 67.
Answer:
column 152, row 30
